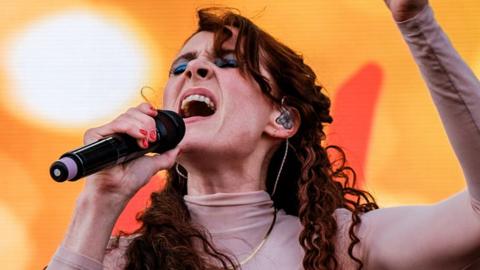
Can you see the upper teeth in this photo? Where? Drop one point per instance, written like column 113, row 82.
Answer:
column 200, row 98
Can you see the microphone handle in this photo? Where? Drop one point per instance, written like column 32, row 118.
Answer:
column 99, row 155
column 116, row 149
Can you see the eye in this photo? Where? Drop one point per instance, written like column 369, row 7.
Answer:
column 179, row 68
column 228, row 61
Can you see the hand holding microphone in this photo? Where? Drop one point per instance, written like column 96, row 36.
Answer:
column 138, row 131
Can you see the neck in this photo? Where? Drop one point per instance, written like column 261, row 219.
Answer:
column 226, row 175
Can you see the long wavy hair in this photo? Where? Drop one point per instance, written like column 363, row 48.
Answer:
column 312, row 185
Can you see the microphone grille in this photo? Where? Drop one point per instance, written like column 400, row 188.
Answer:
column 171, row 128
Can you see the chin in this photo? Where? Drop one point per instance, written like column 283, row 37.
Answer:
column 195, row 141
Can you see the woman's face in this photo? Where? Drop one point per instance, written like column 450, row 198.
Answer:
column 225, row 113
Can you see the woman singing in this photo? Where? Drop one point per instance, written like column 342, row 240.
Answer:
column 251, row 185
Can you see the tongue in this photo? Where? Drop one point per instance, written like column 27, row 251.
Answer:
column 196, row 108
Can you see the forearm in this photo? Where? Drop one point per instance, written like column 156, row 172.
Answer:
column 88, row 234
column 92, row 225
column 454, row 88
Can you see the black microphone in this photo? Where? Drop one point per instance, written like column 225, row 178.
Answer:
column 116, row 149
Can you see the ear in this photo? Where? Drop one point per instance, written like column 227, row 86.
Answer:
column 284, row 122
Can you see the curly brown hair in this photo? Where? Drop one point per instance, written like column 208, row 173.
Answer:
column 312, row 186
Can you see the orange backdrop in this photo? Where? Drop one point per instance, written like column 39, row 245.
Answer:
column 69, row 65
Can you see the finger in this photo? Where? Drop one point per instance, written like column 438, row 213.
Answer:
column 147, row 109
column 165, row 160
column 147, row 121
column 150, row 165
column 122, row 124
column 141, row 126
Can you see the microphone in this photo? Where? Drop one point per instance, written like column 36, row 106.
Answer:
column 116, row 149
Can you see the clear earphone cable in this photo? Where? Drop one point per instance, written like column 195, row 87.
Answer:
column 281, row 168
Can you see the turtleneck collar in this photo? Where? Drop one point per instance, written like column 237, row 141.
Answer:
column 232, row 212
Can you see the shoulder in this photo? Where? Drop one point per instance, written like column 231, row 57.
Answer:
column 344, row 239
column 287, row 230
column 282, row 250
column 343, row 218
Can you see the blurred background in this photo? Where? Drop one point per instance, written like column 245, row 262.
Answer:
column 66, row 66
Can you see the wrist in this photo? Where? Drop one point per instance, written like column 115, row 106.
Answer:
column 93, row 220
column 99, row 201
column 407, row 15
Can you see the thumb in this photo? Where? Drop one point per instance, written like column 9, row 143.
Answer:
column 140, row 170
column 162, row 161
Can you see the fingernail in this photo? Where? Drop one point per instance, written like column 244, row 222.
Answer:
column 145, row 143
column 144, row 132
column 153, row 135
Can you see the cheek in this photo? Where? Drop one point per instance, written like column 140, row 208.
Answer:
column 241, row 88
column 169, row 95
column 250, row 111
column 247, row 96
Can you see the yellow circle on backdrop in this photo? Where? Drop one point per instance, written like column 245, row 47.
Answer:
column 74, row 68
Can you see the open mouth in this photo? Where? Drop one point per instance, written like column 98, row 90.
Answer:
column 197, row 105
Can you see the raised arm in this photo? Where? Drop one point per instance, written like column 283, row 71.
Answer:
column 445, row 235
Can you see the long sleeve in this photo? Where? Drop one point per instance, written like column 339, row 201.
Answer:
column 454, row 89
column 66, row 259
column 445, row 235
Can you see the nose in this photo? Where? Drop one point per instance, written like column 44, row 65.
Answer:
column 199, row 69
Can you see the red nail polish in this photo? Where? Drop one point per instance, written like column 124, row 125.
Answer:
column 145, row 143
column 153, row 135
column 144, row 132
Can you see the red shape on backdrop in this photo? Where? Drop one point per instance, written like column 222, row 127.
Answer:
column 127, row 221
column 353, row 113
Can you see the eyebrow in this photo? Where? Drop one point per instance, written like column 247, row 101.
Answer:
column 185, row 56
